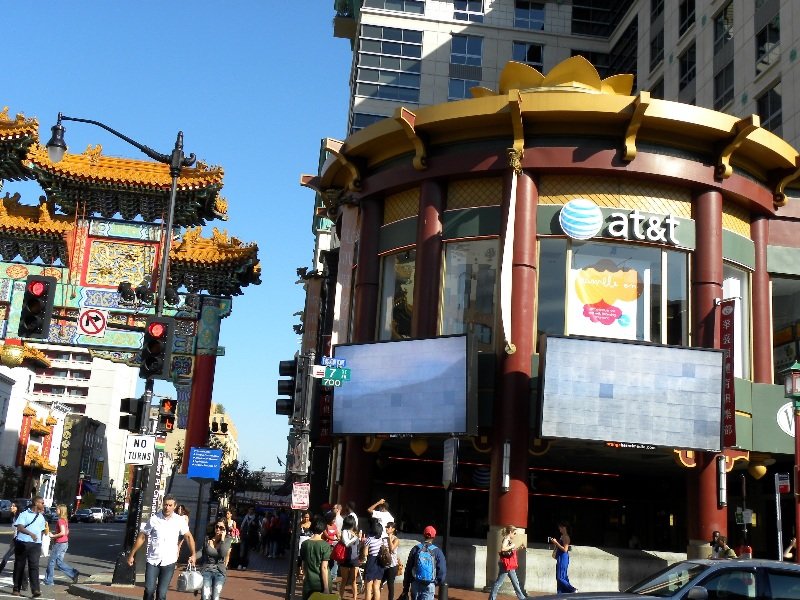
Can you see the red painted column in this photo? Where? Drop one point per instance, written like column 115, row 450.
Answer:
column 428, row 263
column 512, row 403
column 357, row 463
column 205, row 361
column 704, row 510
column 761, row 301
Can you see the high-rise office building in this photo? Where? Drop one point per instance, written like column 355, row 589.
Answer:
column 728, row 55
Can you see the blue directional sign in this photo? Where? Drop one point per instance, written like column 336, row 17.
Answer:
column 204, row 463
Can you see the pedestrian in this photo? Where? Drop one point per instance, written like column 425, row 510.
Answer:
column 10, row 552
column 373, row 570
column 426, row 568
column 31, row 526
column 183, row 512
column 234, row 535
column 351, row 538
column 250, row 528
column 216, row 552
column 304, row 534
column 380, row 511
column 59, row 548
column 161, row 532
column 508, row 563
column 390, row 573
column 315, row 553
column 561, row 553
column 789, row 552
column 337, row 510
column 331, row 535
column 274, row 535
column 350, row 509
column 266, row 537
column 720, row 549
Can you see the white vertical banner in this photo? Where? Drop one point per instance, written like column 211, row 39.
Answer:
column 344, row 280
column 506, row 268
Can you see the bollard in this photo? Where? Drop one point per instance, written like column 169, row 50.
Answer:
column 443, row 591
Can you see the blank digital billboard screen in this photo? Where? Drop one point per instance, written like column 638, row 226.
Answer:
column 631, row 392
column 419, row 386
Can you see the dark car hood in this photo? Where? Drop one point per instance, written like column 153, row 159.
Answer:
column 599, row 596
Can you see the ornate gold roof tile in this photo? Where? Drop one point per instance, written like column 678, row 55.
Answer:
column 95, row 167
column 27, row 219
column 220, row 249
column 17, row 128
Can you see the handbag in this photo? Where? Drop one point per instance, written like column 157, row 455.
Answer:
column 339, row 552
column 385, row 555
column 45, row 544
column 509, row 563
column 190, row 580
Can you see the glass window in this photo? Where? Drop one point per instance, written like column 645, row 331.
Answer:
column 613, row 290
column 657, row 89
column 656, row 8
column 723, row 27
column 736, row 585
column 530, row 54
column 723, row 86
column 657, row 50
column 676, row 328
column 550, row 308
column 388, row 63
column 687, row 67
column 529, row 15
column 412, row 6
column 600, row 60
column 784, row 586
column 397, row 296
column 735, row 284
column 469, row 290
column 768, row 42
column 466, row 50
column 361, row 120
column 468, row 10
column 769, row 109
column 785, row 321
column 685, row 16
column 458, row 89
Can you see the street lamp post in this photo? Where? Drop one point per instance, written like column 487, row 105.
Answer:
column 56, row 148
column 79, row 495
column 792, row 391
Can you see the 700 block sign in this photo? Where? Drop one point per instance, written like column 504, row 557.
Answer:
column 335, row 376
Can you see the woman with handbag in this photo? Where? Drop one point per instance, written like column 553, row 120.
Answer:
column 60, row 540
column 391, row 571
column 508, row 563
column 216, row 551
column 351, row 539
column 373, row 571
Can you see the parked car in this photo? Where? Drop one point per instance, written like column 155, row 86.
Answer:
column 121, row 517
column 704, row 579
column 98, row 515
column 108, row 515
column 83, row 515
column 5, row 511
column 51, row 516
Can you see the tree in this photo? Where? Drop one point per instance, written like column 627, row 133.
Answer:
column 235, row 477
column 10, row 482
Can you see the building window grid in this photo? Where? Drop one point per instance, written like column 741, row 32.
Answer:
column 657, row 50
column 361, row 120
column 459, row 89
column 768, row 42
column 466, row 50
column 723, row 86
column 723, row 27
column 590, row 17
column 600, row 60
column 769, row 106
column 656, row 9
column 528, row 53
column 468, row 10
column 410, row 6
column 623, row 56
column 657, row 89
column 529, row 15
column 685, row 16
column 687, row 67
column 388, row 63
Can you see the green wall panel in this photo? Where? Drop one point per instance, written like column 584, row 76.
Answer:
column 738, row 249
column 783, row 261
column 767, row 436
column 398, row 234
column 471, row 222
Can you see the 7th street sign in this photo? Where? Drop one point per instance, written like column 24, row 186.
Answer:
column 334, row 376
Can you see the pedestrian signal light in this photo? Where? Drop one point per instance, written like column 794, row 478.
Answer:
column 166, row 415
column 287, row 387
column 133, row 410
column 37, row 307
column 157, row 348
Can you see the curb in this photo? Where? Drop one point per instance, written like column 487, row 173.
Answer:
column 94, row 593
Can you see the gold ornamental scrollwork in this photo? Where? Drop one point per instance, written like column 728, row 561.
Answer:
column 515, row 160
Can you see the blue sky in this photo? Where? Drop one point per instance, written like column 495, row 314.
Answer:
column 254, row 85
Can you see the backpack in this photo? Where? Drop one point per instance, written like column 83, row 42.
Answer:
column 425, row 567
column 384, row 554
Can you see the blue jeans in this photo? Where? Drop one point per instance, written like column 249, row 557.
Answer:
column 421, row 590
column 512, row 575
column 157, row 574
column 213, row 581
column 57, row 552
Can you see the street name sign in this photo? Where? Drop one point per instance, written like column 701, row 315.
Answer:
column 337, row 373
column 140, row 449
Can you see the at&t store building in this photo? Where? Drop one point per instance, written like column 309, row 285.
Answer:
column 626, row 270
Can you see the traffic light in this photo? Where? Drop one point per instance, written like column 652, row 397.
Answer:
column 157, row 348
column 287, row 387
column 166, row 415
column 37, row 307
column 134, row 409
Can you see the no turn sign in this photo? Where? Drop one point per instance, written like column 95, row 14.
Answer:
column 92, row 322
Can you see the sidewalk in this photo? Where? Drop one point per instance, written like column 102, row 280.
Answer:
column 266, row 578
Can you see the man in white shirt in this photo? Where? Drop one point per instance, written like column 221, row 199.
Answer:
column 161, row 532
column 30, row 525
column 380, row 511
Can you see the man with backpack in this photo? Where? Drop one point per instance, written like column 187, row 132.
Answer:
column 426, row 568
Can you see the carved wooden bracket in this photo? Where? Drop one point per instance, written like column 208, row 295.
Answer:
column 407, row 120
column 741, row 130
column 335, row 147
column 640, row 105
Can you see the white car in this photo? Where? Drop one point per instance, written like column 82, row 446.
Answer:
column 98, row 514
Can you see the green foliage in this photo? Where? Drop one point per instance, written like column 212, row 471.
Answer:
column 236, row 477
column 9, row 486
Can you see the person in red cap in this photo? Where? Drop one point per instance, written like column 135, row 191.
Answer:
column 426, row 568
